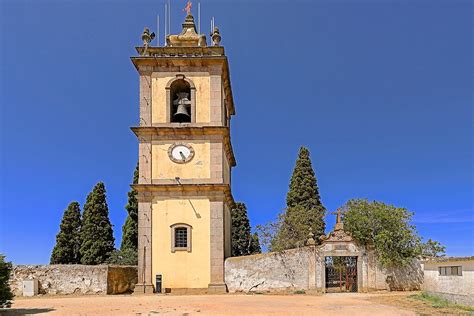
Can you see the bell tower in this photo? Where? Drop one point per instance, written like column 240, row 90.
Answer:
column 185, row 160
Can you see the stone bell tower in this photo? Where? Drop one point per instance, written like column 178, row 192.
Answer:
column 185, row 161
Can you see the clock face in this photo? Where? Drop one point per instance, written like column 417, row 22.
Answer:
column 181, row 153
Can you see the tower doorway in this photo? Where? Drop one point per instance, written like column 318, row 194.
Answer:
column 341, row 274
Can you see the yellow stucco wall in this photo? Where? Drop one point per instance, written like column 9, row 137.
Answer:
column 181, row 269
column 203, row 96
column 197, row 168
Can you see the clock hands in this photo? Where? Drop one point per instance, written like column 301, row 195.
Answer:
column 182, row 156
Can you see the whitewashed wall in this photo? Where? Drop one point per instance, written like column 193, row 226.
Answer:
column 457, row 289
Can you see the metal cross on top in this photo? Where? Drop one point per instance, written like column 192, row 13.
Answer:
column 338, row 213
column 188, row 7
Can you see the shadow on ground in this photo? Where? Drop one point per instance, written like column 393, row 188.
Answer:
column 24, row 311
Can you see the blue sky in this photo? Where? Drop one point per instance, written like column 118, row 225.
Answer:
column 379, row 91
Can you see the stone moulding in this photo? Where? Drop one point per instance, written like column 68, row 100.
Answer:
column 190, row 51
column 213, row 191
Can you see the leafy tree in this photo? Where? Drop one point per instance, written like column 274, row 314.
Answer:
column 130, row 228
column 68, row 240
column 385, row 227
column 6, row 295
column 96, row 231
column 124, row 257
column 432, row 249
column 254, row 244
column 304, row 212
column 268, row 232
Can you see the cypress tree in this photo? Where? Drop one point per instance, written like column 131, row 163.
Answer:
column 304, row 212
column 130, row 227
column 255, row 244
column 243, row 242
column 96, row 231
column 68, row 240
column 240, row 230
column 6, row 295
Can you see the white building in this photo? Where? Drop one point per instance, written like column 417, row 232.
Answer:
column 450, row 278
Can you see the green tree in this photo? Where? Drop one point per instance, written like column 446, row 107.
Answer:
column 6, row 295
column 130, row 228
column 432, row 249
column 243, row 241
column 240, row 230
column 124, row 257
column 96, row 231
column 304, row 212
column 384, row 227
column 254, row 244
column 68, row 240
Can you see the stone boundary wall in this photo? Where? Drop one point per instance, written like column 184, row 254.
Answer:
column 407, row 278
column 274, row 271
column 75, row 279
column 296, row 269
column 121, row 279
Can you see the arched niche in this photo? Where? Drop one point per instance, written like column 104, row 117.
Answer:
column 180, row 90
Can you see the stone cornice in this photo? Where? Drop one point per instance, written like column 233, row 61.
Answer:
column 188, row 51
column 160, row 58
column 187, row 130
column 189, row 189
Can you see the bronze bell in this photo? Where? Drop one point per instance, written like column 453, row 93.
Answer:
column 182, row 114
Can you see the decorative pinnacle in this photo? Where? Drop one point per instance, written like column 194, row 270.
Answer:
column 310, row 241
column 147, row 37
column 216, row 37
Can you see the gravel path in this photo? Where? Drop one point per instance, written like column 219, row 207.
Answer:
column 329, row 304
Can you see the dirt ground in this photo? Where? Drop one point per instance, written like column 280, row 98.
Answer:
column 230, row 304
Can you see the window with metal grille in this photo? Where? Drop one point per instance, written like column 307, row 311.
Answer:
column 452, row 270
column 181, row 237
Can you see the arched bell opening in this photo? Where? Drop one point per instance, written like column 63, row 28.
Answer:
column 181, row 110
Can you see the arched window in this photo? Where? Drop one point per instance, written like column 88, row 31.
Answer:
column 181, row 100
column 181, row 237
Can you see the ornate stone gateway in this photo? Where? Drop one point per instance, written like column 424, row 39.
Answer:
column 341, row 264
column 338, row 264
column 341, row 274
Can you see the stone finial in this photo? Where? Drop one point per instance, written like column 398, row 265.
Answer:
column 216, row 37
column 147, row 37
column 188, row 36
column 310, row 241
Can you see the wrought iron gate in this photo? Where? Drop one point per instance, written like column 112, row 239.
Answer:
column 341, row 274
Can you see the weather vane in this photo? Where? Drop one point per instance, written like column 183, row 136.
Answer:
column 188, row 7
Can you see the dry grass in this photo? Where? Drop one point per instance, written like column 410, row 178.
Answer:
column 423, row 304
